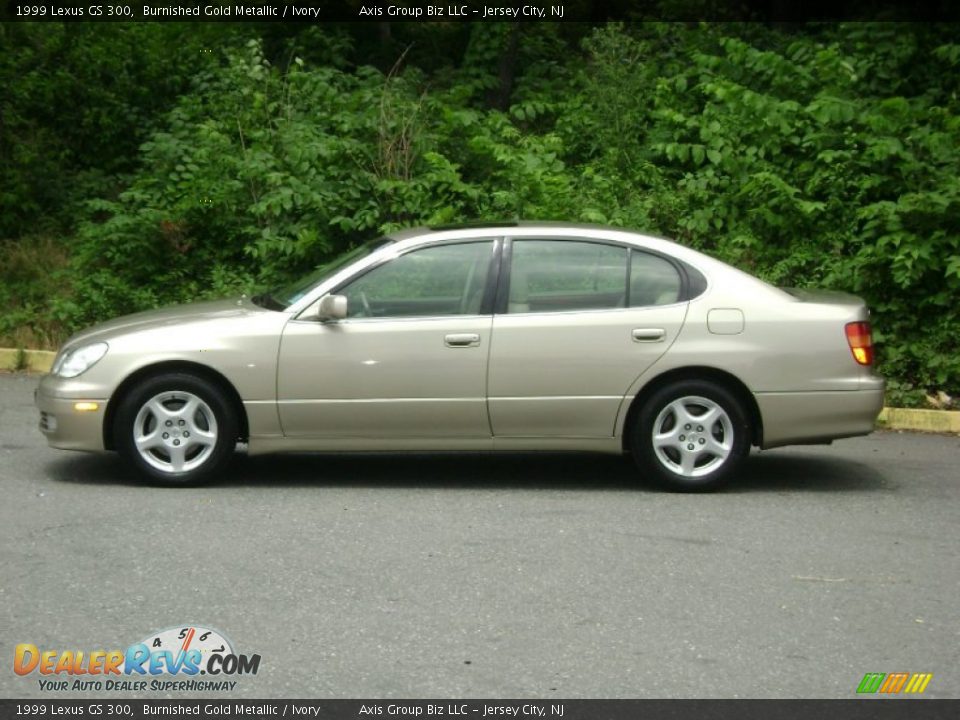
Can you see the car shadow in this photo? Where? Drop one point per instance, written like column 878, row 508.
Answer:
column 783, row 471
column 762, row 472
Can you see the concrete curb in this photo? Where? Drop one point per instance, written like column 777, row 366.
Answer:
column 39, row 361
column 937, row 421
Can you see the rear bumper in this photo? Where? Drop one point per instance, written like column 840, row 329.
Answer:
column 61, row 423
column 810, row 417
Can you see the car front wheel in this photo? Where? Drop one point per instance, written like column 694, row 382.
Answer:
column 176, row 429
column 690, row 436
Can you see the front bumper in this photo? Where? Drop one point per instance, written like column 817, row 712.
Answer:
column 812, row 417
column 61, row 422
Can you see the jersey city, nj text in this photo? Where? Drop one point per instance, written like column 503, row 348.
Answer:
column 454, row 11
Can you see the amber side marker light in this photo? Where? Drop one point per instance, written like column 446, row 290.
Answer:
column 860, row 341
column 86, row 406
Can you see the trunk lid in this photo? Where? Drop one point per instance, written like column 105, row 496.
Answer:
column 825, row 297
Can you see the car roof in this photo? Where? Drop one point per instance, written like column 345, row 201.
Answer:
column 424, row 231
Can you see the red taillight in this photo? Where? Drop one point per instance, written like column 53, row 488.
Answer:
column 860, row 341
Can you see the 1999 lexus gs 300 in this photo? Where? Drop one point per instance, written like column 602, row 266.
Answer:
column 514, row 337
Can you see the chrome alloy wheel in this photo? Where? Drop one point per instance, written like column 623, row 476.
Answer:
column 692, row 436
column 175, row 432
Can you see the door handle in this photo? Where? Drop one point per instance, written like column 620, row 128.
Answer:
column 648, row 334
column 459, row 340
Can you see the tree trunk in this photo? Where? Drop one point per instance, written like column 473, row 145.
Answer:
column 499, row 98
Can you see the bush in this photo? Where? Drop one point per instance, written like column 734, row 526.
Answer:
column 31, row 279
column 824, row 155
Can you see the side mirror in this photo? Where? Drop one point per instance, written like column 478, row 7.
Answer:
column 332, row 307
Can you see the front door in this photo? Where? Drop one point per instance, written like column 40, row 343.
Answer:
column 409, row 360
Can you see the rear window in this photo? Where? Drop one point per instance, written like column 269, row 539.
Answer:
column 653, row 280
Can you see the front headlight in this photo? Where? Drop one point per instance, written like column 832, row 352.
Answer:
column 80, row 359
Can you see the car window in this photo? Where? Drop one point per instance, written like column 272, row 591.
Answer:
column 439, row 280
column 653, row 280
column 563, row 275
column 290, row 293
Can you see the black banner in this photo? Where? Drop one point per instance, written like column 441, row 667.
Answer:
column 314, row 11
column 854, row 709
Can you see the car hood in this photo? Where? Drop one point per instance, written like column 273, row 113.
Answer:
column 172, row 315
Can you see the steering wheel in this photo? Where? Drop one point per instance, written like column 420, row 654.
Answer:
column 367, row 312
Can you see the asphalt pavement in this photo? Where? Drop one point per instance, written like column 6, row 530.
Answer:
column 486, row 576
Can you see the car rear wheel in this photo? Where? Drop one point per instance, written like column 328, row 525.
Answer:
column 690, row 436
column 176, row 429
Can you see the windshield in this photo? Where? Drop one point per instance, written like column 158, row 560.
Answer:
column 283, row 297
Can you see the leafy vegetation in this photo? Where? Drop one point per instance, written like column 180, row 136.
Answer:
column 141, row 167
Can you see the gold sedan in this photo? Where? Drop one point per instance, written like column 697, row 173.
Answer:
column 531, row 336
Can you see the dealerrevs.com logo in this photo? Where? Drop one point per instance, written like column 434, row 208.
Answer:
column 169, row 660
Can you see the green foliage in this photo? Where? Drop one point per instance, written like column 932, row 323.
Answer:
column 806, row 162
column 259, row 175
column 31, row 273
column 821, row 155
column 77, row 99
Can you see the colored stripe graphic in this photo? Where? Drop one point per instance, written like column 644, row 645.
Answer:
column 918, row 682
column 871, row 682
column 893, row 683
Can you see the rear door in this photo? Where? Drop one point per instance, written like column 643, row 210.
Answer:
column 578, row 321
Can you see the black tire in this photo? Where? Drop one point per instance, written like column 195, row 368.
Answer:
column 711, row 450
column 163, row 410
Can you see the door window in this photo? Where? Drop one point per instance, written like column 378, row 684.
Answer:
column 433, row 281
column 564, row 275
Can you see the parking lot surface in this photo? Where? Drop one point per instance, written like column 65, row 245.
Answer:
column 481, row 576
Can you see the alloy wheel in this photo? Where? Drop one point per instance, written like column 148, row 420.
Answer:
column 692, row 436
column 175, row 432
